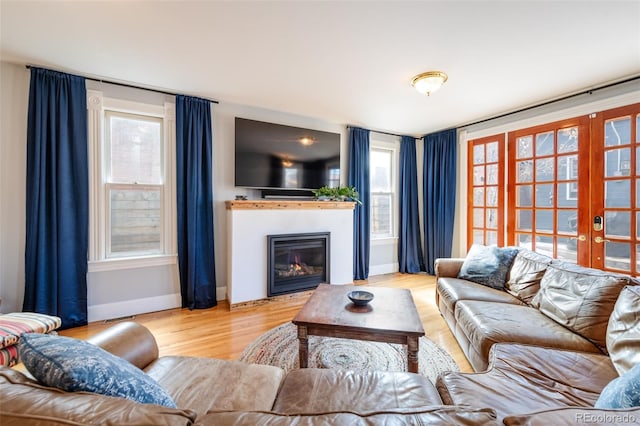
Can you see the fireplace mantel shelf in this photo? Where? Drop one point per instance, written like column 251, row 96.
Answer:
column 288, row 205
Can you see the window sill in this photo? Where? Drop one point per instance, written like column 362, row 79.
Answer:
column 383, row 241
column 132, row 263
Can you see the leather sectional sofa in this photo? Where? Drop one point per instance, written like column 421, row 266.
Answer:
column 540, row 360
column 546, row 345
column 210, row 391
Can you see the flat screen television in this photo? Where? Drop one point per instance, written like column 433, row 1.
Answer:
column 275, row 156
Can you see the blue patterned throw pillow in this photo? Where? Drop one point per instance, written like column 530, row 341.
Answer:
column 488, row 265
column 75, row 365
column 622, row 392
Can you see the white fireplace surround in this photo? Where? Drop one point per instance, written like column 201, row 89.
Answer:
column 249, row 223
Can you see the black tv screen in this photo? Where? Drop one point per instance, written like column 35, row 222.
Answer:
column 275, row 156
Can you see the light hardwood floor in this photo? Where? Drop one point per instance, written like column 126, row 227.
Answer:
column 223, row 333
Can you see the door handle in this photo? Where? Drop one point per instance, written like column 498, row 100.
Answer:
column 600, row 240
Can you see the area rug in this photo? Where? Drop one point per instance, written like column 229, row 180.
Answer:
column 279, row 347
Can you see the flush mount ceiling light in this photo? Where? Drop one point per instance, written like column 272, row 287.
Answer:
column 428, row 82
column 306, row 141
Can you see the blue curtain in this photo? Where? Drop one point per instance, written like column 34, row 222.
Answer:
column 57, row 222
column 440, row 161
column 410, row 258
column 195, row 202
column 359, row 178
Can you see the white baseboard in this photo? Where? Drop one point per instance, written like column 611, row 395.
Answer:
column 140, row 306
column 221, row 293
column 387, row 268
column 127, row 308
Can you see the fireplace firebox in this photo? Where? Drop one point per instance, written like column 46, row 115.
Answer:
column 297, row 262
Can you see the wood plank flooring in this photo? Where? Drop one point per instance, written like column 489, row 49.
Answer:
column 223, row 333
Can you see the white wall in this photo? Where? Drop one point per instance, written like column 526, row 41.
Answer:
column 129, row 291
column 14, row 89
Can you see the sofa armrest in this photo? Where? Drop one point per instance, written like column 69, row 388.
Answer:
column 448, row 267
column 128, row 340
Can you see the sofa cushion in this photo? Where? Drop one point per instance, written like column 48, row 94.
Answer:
column 525, row 274
column 479, row 325
column 622, row 392
column 26, row 402
column 439, row 415
column 487, row 265
column 579, row 298
column 623, row 331
column 75, row 365
column 203, row 384
column 312, row 390
column 9, row 356
column 525, row 378
column 14, row 324
column 451, row 290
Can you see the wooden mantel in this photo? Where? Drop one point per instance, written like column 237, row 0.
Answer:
column 288, row 205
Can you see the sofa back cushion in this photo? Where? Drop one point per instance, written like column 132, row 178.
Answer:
column 581, row 299
column 525, row 275
column 623, row 332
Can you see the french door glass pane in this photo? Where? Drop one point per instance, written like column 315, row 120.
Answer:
column 478, row 197
column 617, row 224
column 523, row 220
column 523, row 196
column 568, row 194
column 568, row 221
column 617, row 255
column 492, row 174
column 478, row 175
column 492, row 218
column 618, row 162
column 492, row 238
column 544, row 220
column 478, row 218
column 524, row 147
column 478, row 154
column 617, row 193
column 478, row 237
column 544, row 144
column 135, row 221
column 492, row 196
column 545, row 170
column 617, row 132
column 525, row 171
column 567, row 249
column 544, row 195
column 568, row 140
column 492, row 152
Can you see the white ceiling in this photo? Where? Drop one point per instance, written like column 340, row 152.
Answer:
column 347, row 62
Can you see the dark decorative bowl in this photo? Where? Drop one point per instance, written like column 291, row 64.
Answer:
column 360, row 298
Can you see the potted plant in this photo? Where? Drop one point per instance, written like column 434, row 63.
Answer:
column 340, row 193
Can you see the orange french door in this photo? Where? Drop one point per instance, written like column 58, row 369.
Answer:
column 485, row 196
column 615, row 190
column 547, row 208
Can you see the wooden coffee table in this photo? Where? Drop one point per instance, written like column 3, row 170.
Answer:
column 390, row 317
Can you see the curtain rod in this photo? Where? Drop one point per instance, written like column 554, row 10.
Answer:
column 563, row 98
column 379, row 131
column 100, row 80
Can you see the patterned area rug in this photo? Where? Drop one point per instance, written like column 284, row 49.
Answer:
column 279, row 347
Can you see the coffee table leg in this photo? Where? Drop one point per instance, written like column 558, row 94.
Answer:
column 412, row 354
column 304, row 346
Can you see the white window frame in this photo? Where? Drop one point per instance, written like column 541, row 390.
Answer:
column 394, row 148
column 99, row 231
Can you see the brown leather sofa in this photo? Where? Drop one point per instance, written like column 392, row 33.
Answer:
column 545, row 347
column 218, row 392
